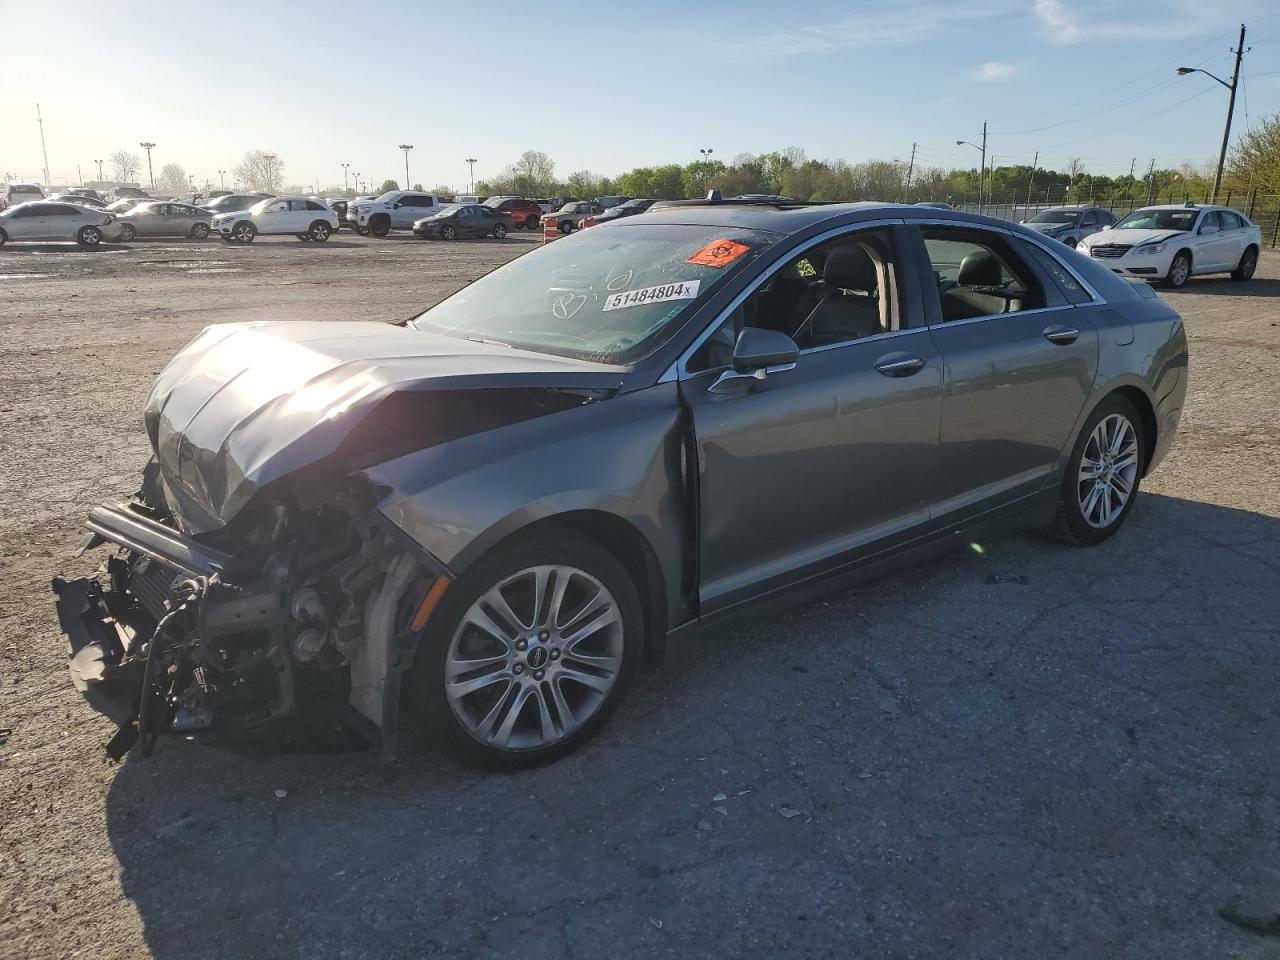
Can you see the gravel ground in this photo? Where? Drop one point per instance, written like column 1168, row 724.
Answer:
column 1031, row 751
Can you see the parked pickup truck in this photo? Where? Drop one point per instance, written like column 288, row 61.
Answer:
column 394, row 210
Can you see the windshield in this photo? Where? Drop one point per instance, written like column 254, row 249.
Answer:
column 1154, row 219
column 260, row 205
column 1056, row 216
column 389, row 197
column 495, row 201
column 606, row 295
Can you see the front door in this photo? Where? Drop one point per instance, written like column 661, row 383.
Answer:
column 1020, row 364
column 833, row 461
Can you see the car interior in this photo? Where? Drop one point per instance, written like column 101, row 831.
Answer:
column 975, row 278
column 842, row 290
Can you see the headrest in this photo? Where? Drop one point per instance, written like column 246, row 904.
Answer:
column 850, row 268
column 981, row 269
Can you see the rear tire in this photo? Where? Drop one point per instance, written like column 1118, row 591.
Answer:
column 244, row 232
column 89, row 236
column 580, row 710
column 1179, row 271
column 566, row 226
column 4, row 238
column 1248, row 264
column 1098, row 497
column 127, row 233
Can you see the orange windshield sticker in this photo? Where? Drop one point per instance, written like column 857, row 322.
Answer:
column 719, row 253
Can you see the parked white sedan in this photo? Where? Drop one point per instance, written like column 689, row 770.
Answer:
column 305, row 217
column 49, row 220
column 1175, row 242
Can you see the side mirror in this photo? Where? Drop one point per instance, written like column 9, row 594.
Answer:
column 757, row 354
column 1107, row 226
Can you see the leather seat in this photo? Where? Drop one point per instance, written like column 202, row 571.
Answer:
column 980, row 290
column 844, row 305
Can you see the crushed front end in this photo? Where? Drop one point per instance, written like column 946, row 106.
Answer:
column 302, row 609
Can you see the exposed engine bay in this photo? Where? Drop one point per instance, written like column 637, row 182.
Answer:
column 298, row 605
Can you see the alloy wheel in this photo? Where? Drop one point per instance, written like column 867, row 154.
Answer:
column 1179, row 272
column 1108, row 471
column 534, row 657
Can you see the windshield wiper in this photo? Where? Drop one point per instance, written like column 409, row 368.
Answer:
column 491, row 341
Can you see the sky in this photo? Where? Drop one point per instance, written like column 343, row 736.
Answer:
column 607, row 87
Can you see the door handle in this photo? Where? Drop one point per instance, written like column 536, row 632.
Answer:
column 1061, row 335
column 899, row 364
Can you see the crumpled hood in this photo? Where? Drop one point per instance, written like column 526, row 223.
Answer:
column 1134, row 238
column 246, row 404
column 1049, row 227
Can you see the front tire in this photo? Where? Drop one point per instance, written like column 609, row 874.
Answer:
column 244, row 232
column 4, row 238
column 1103, row 474
column 127, row 233
column 89, row 237
column 1248, row 264
column 566, row 226
column 319, row 231
column 1179, row 271
column 448, row 233
column 380, row 226
column 529, row 651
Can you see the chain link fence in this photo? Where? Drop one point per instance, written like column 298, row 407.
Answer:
column 1262, row 208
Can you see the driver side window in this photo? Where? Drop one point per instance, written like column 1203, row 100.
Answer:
column 842, row 290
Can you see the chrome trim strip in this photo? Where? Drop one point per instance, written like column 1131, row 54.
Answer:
column 679, row 369
column 948, row 324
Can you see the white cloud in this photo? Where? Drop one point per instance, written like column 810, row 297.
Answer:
column 912, row 22
column 994, row 70
column 1185, row 18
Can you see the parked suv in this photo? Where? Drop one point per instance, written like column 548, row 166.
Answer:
column 304, row 217
column 524, row 213
column 1070, row 225
column 394, row 210
column 569, row 217
column 15, row 193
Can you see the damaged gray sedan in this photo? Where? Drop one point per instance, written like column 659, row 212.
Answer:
column 492, row 514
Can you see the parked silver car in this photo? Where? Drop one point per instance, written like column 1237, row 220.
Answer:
column 164, row 218
column 49, row 220
column 596, row 451
column 1070, row 225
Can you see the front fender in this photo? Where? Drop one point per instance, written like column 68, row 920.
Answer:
column 623, row 456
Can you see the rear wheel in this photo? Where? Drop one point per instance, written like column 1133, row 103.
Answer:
column 1247, row 265
column 380, row 226
column 89, row 237
column 499, row 231
column 244, row 232
column 4, row 238
column 1103, row 474
column 319, row 231
column 529, row 651
column 566, row 226
column 200, row 231
column 127, row 233
column 1179, row 270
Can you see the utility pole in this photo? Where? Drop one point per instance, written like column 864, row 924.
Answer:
column 1031, row 183
column 1151, row 179
column 406, row 147
column 471, row 162
column 147, row 147
column 79, row 175
column 982, row 167
column 1239, row 51
column 910, row 167
column 43, row 151
column 100, row 177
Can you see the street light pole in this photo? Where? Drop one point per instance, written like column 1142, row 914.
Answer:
column 706, row 158
column 471, row 162
column 406, row 147
column 99, row 163
column 147, row 145
column 222, row 179
column 345, row 187
column 43, row 151
column 982, row 170
column 1231, row 106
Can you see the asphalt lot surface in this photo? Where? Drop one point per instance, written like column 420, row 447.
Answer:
column 1025, row 751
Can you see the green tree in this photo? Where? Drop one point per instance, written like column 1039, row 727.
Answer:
column 1255, row 158
column 388, row 185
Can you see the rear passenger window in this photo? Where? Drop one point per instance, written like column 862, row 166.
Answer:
column 978, row 274
column 312, row 205
column 1067, row 283
column 1230, row 220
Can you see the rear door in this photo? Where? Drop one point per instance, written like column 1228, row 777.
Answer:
column 824, row 465
column 1020, row 361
